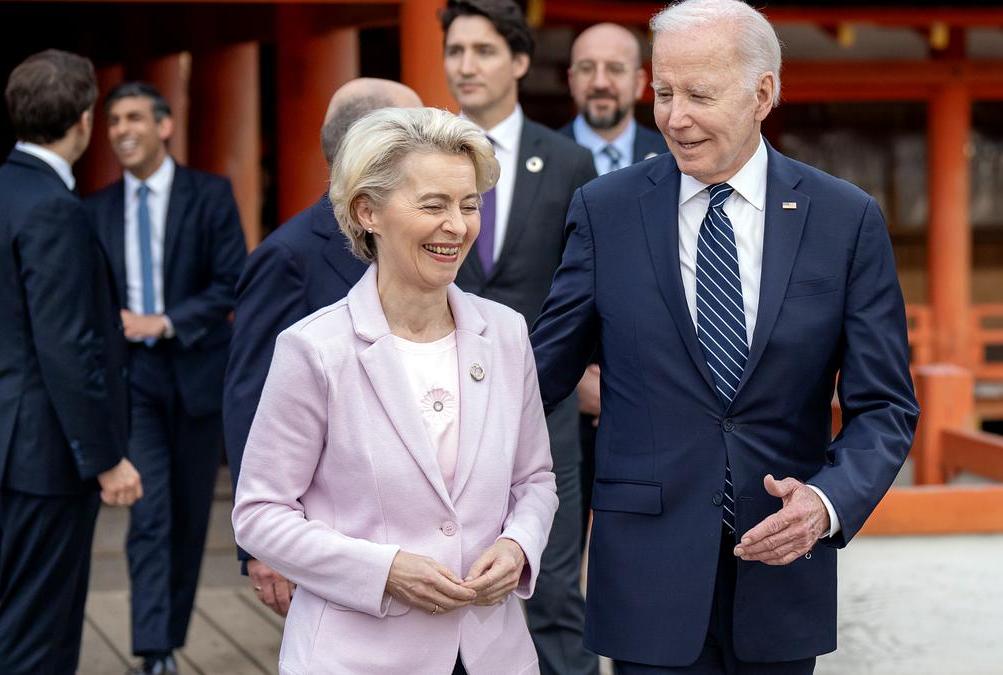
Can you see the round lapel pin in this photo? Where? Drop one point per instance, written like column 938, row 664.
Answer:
column 477, row 372
column 650, row 155
column 534, row 164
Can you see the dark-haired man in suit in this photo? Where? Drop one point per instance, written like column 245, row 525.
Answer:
column 63, row 387
column 304, row 265
column 176, row 246
column 488, row 48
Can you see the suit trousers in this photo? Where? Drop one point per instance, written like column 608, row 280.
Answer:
column 556, row 612
column 45, row 554
column 718, row 654
column 177, row 456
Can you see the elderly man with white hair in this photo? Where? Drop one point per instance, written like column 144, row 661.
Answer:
column 724, row 287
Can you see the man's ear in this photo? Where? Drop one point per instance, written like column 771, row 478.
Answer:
column 165, row 128
column 765, row 91
column 640, row 82
column 86, row 121
column 520, row 65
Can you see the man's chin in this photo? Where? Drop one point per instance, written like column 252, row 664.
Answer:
column 606, row 121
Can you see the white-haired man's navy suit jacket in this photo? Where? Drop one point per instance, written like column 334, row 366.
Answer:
column 830, row 305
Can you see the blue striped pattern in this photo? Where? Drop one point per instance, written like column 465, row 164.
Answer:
column 721, row 312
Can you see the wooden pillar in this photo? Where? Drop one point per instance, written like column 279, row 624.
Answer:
column 311, row 66
column 98, row 166
column 421, row 52
column 949, row 243
column 226, row 125
column 946, row 396
column 171, row 75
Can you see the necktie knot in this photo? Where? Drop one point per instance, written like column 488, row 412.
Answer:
column 719, row 193
column 143, row 190
column 614, row 156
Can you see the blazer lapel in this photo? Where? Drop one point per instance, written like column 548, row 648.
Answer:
column 527, row 184
column 660, row 215
column 781, row 240
column 177, row 207
column 113, row 224
column 382, row 365
column 473, row 349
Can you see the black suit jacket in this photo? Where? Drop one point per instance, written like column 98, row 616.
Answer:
column 534, row 238
column 647, row 142
column 63, row 380
column 204, row 251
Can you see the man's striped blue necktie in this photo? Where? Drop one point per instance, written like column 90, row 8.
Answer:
column 721, row 312
column 146, row 254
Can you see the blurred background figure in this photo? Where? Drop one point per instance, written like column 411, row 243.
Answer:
column 305, row 265
column 488, row 48
column 176, row 248
column 398, row 469
column 63, row 393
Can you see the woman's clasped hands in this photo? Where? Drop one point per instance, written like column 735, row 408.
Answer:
column 424, row 583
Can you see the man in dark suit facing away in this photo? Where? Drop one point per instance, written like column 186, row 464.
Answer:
column 304, row 265
column 606, row 78
column 63, row 388
column 176, row 247
column 488, row 48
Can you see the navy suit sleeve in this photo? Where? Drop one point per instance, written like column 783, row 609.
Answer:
column 194, row 316
column 566, row 333
column 59, row 268
column 270, row 298
column 875, row 388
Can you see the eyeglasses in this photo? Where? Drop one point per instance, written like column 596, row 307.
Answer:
column 589, row 69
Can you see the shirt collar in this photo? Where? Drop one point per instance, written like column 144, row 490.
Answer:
column 159, row 181
column 56, row 162
column 749, row 182
column 505, row 134
column 586, row 136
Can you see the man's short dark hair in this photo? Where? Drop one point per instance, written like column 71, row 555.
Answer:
column 506, row 17
column 344, row 116
column 47, row 93
column 161, row 108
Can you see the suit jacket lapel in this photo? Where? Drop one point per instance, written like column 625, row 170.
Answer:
column 382, row 365
column 527, row 184
column 113, row 223
column 335, row 250
column 781, row 240
column 660, row 215
column 177, row 208
column 472, row 349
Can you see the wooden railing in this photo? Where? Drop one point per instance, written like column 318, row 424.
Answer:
column 987, row 341
column 920, row 334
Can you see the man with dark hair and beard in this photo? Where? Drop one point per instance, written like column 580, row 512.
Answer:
column 606, row 78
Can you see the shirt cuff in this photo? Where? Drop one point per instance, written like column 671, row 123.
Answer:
column 169, row 331
column 834, row 527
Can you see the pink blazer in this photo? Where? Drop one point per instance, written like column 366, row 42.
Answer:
column 339, row 474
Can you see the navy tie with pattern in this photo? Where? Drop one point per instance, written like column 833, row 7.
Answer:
column 486, row 239
column 146, row 254
column 721, row 313
column 614, row 155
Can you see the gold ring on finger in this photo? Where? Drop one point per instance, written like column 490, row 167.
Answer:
column 435, row 610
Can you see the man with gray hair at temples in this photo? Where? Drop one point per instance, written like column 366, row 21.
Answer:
column 303, row 266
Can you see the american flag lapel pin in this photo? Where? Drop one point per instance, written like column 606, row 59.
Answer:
column 790, row 205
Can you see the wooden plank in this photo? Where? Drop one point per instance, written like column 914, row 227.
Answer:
column 108, row 611
column 257, row 637
column 938, row 509
column 250, row 598
column 97, row 655
column 212, row 652
column 974, row 451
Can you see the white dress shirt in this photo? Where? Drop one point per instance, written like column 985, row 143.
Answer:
column 58, row 164
column 746, row 209
column 586, row 137
column 505, row 135
column 157, row 200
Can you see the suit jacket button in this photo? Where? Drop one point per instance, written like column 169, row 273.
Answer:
column 448, row 528
column 728, row 425
column 718, row 498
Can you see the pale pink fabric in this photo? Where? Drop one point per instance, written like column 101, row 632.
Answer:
column 338, row 475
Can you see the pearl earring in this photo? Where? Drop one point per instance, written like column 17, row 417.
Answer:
column 369, row 230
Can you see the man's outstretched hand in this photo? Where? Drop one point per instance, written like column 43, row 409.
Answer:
column 790, row 532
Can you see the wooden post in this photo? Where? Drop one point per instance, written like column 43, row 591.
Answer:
column 949, row 243
column 421, row 52
column 226, row 125
column 311, row 66
column 947, row 399
column 98, row 166
column 171, row 75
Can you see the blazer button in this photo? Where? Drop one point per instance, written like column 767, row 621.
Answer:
column 448, row 528
column 728, row 425
column 718, row 498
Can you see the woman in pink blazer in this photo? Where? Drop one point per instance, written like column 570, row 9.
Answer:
column 398, row 468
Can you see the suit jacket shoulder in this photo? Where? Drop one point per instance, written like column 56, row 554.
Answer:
column 647, row 142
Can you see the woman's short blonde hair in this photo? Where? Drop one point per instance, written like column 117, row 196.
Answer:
column 369, row 160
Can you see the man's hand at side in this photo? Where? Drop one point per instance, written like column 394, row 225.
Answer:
column 121, row 484
column 143, row 326
column 272, row 588
column 790, row 532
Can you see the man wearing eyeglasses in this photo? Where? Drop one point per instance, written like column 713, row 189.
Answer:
column 606, row 80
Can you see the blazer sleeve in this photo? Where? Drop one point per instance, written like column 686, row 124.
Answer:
column 875, row 388
column 565, row 335
column 195, row 316
column 283, row 449
column 533, row 499
column 60, row 265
